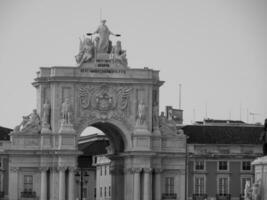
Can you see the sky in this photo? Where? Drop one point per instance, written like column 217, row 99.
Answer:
column 217, row 50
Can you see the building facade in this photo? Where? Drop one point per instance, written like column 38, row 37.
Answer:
column 219, row 159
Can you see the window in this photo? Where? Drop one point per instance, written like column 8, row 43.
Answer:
column 105, row 170
column 199, row 185
column 243, row 182
column 100, row 170
column 223, row 183
column 95, row 192
column 109, row 191
column 223, row 166
column 246, row 166
column 169, row 185
column 28, row 183
column 100, row 192
column 199, row 165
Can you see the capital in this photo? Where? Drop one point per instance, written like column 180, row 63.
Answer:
column 147, row 170
column 158, row 170
column 14, row 169
column 61, row 168
column 43, row 169
column 136, row 170
column 72, row 169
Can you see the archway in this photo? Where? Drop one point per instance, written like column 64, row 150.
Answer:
column 101, row 151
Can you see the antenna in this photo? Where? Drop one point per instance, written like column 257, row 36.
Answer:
column 206, row 110
column 240, row 111
column 247, row 116
column 100, row 14
column 180, row 95
column 194, row 115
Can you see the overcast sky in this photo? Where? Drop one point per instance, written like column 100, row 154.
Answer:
column 216, row 49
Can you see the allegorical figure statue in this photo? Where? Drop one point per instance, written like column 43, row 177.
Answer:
column 247, row 191
column 46, row 114
column 86, row 51
column 66, row 111
column 30, row 123
column 104, row 33
column 140, row 113
column 263, row 138
column 118, row 54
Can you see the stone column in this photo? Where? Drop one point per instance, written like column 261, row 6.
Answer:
column 13, row 192
column 158, row 184
column 71, row 191
column 136, row 188
column 43, row 195
column 147, row 192
column 61, row 183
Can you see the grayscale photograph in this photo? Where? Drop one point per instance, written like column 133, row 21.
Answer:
column 133, row 100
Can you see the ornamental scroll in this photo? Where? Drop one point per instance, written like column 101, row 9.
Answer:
column 104, row 102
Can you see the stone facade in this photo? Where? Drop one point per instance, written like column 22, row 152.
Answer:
column 122, row 102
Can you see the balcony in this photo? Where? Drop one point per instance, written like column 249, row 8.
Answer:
column 223, row 196
column 200, row 196
column 168, row 196
column 28, row 195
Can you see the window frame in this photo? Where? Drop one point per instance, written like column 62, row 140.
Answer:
column 195, row 165
column 241, row 166
column 222, row 170
column 169, row 185
column 242, row 177
column 218, row 184
column 204, row 183
column 27, row 184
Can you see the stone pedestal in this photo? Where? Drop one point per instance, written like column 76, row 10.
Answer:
column 260, row 165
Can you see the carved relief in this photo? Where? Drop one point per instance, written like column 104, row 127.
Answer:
column 104, row 102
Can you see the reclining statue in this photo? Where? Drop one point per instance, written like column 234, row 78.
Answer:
column 29, row 124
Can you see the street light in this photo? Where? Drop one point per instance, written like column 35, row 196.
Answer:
column 81, row 176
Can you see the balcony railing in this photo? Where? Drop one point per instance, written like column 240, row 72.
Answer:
column 169, row 196
column 223, row 196
column 200, row 196
column 242, row 197
column 27, row 194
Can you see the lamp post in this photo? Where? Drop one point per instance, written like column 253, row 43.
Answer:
column 81, row 176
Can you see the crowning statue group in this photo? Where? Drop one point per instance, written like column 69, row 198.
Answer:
column 101, row 45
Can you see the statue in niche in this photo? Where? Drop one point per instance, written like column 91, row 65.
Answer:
column 263, row 138
column 155, row 116
column 247, row 191
column 141, row 113
column 104, row 33
column 119, row 55
column 66, row 111
column 46, row 114
column 86, row 51
column 29, row 124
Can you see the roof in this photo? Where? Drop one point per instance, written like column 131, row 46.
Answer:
column 220, row 134
column 4, row 133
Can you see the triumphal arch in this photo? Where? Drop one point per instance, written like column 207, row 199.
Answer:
column 146, row 151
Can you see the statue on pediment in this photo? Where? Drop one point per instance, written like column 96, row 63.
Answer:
column 119, row 55
column 86, row 51
column 29, row 124
column 104, row 43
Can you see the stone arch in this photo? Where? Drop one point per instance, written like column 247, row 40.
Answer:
column 118, row 134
